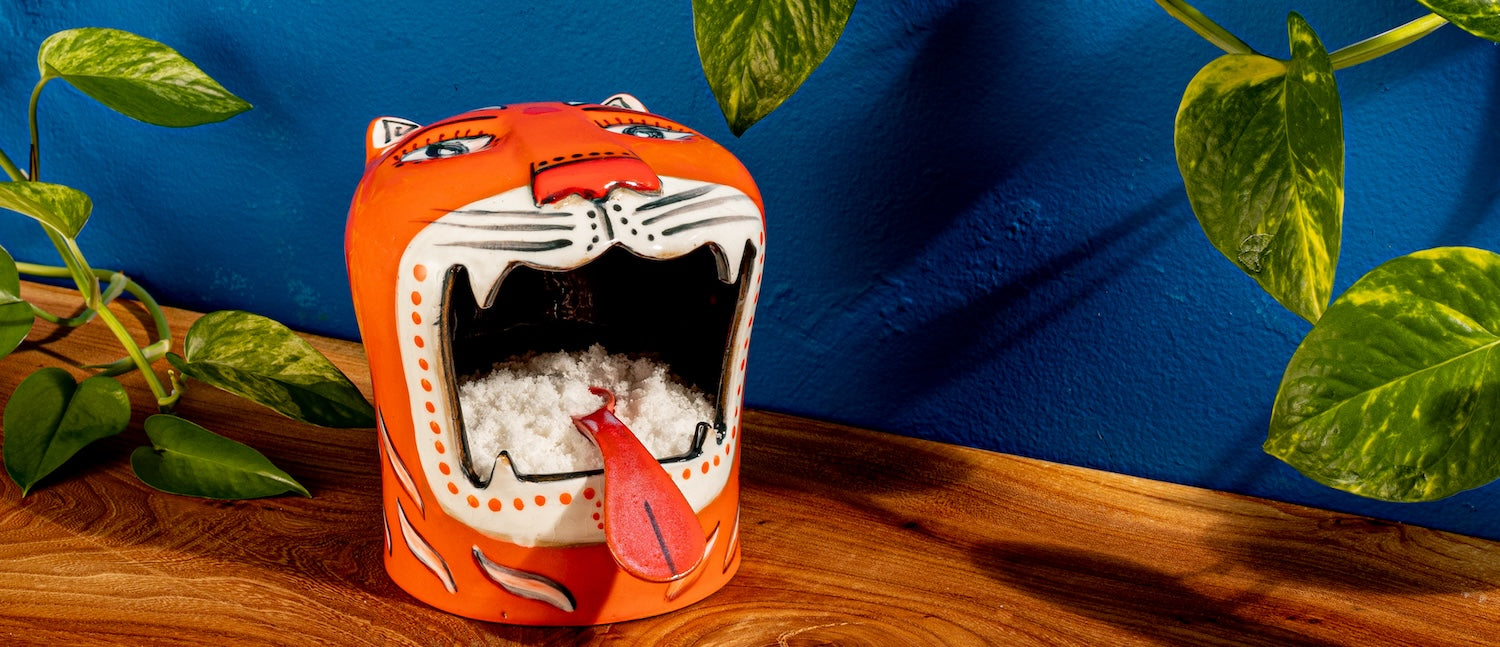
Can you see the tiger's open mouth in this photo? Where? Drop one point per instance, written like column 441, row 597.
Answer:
column 662, row 275
column 679, row 311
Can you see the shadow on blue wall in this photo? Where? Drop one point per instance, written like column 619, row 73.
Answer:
column 1481, row 186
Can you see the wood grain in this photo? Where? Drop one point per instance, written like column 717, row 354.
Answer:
column 850, row 538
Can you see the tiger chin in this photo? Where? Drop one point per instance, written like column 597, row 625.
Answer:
column 533, row 228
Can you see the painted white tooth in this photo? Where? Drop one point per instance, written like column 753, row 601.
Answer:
column 531, row 586
column 731, row 258
column 483, row 279
column 424, row 552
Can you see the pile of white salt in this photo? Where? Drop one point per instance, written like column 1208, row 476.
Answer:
column 526, row 407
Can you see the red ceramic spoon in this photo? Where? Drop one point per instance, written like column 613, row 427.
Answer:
column 648, row 524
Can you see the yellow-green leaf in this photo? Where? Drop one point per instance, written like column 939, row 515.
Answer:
column 137, row 77
column 1478, row 17
column 62, row 209
column 756, row 53
column 1395, row 394
column 1260, row 145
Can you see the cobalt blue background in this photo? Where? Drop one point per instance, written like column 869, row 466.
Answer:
column 977, row 229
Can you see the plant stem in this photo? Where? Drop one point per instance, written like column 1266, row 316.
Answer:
column 1208, row 29
column 158, row 318
column 1382, row 44
column 138, row 357
column 36, row 156
column 88, row 284
column 15, row 173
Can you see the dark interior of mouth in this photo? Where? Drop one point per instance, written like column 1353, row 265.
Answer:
column 675, row 311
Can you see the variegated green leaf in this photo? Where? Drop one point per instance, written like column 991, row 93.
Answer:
column 1478, row 17
column 1260, row 145
column 1395, row 394
column 137, row 77
column 756, row 53
column 62, row 209
column 261, row 360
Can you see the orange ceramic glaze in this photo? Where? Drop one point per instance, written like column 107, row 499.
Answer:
column 549, row 227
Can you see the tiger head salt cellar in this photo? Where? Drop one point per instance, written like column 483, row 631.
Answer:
column 556, row 302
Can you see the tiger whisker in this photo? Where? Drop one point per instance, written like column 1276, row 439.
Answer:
column 706, row 222
column 512, row 245
column 506, row 227
column 680, row 196
column 697, row 206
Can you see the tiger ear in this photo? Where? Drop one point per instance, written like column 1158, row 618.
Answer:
column 625, row 101
column 384, row 132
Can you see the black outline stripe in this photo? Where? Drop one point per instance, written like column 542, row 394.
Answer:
column 660, row 540
column 516, row 214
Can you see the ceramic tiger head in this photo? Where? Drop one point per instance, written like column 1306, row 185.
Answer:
column 544, row 227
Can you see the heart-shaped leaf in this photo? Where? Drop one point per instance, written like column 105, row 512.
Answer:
column 187, row 459
column 50, row 417
column 756, row 53
column 1260, row 145
column 261, row 360
column 1395, row 394
column 137, row 77
column 1478, row 17
column 15, row 314
column 60, row 208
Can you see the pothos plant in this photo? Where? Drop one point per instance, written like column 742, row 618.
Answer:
column 50, row 416
column 1395, row 392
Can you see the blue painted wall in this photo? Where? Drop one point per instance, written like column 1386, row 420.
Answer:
column 977, row 230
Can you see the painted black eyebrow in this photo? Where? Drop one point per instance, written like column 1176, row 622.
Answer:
column 462, row 120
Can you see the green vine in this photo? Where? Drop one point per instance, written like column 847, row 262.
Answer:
column 50, row 417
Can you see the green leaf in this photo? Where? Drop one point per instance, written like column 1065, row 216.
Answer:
column 1395, row 394
column 137, row 77
column 188, row 459
column 756, row 53
column 264, row 361
column 62, row 209
column 1478, row 17
column 50, row 418
column 15, row 314
column 1260, row 145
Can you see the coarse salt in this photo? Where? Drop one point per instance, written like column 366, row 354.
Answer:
column 526, row 408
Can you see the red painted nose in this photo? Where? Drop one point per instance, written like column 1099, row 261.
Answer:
column 593, row 179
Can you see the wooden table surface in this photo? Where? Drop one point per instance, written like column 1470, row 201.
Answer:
column 850, row 537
